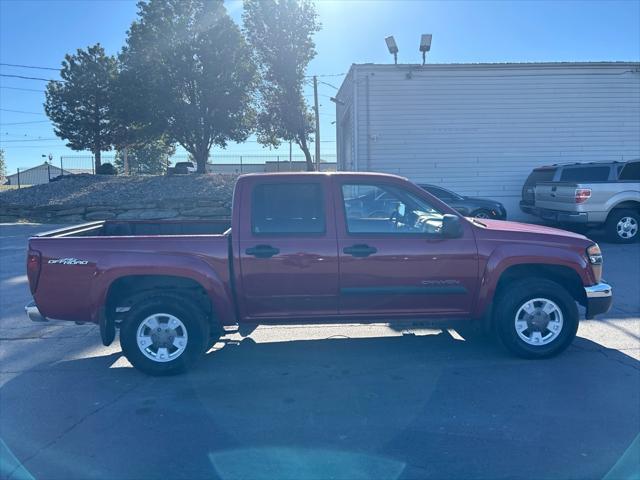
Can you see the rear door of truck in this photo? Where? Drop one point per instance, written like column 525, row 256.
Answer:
column 287, row 247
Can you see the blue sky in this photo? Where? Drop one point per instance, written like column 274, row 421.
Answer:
column 40, row 33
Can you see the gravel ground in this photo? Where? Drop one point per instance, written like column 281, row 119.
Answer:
column 113, row 190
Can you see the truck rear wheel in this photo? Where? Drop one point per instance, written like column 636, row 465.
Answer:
column 623, row 226
column 164, row 335
column 536, row 318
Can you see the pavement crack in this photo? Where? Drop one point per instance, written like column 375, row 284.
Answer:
column 72, row 427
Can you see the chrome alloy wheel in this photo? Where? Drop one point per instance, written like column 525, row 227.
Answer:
column 627, row 227
column 538, row 321
column 482, row 215
column 162, row 337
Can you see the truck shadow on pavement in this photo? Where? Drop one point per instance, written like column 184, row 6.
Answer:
column 380, row 408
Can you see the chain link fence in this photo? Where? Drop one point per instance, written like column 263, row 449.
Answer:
column 225, row 164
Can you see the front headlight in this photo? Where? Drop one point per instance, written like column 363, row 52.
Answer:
column 594, row 255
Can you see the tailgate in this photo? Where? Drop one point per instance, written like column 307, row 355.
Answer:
column 556, row 196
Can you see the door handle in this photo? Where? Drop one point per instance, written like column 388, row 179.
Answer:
column 262, row 251
column 359, row 250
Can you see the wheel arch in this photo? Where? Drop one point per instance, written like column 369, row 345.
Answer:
column 625, row 205
column 561, row 274
column 564, row 266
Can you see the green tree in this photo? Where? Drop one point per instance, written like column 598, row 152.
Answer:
column 281, row 35
column 190, row 74
column 80, row 105
column 3, row 167
column 149, row 157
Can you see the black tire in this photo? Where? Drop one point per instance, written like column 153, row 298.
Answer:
column 614, row 234
column 514, row 296
column 193, row 319
column 481, row 213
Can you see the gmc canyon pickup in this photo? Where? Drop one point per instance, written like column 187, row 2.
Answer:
column 305, row 248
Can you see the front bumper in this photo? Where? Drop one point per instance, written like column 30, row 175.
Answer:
column 599, row 299
column 34, row 314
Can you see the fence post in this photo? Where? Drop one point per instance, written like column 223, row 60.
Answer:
column 61, row 169
column 18, row 178
column 240, row 163
column 278, row 163
column 93, row 165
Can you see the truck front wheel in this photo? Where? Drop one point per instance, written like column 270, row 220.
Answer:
column 536, row 318
column 164, row 335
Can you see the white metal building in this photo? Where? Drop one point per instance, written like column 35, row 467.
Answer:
column 479, row 129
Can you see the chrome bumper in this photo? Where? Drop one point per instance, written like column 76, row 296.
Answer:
column 598, row 290
column 599, row 299
column 34, row 314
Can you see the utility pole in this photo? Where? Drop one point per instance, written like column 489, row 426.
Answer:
column 315, row 103
column 125, row 162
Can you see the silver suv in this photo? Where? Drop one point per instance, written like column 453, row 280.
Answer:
column 589, row 194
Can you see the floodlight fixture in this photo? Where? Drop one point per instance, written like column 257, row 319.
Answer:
column 393, row 47
column 425, row 45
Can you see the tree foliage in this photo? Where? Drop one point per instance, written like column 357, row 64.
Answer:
column 80, row 106
column 151, row 157
column 281, row 35
column 190, row 73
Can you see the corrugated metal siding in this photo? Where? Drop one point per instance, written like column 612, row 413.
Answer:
column 480, row 129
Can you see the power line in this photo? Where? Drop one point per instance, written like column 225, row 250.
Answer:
column 328, row 84
column 34, row 140
column 20, row 111
column 326, row 75
column 31, row 78
column 32, row 146
column 24, row 123
column 29, row 66
column 24, row 89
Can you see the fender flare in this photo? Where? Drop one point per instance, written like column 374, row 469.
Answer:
column 510, row 255
column 161, row 264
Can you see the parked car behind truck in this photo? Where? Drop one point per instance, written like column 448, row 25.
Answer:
column 468, row 206
column 303, row 248
column 589, row 195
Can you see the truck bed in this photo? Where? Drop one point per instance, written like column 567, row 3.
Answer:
column 133, row 228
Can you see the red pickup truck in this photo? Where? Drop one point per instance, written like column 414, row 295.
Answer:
column 314, row 247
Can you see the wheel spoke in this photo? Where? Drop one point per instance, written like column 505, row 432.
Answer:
column 144, row 341
column 536, row 337
column 163, row 353
column 521, row 326
column 529, row 308
column 152, row 322
column 553, row 327
column 179, row 342
column 548, row 308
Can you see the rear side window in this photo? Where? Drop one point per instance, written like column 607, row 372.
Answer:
column 585, row 174
column 540, row 175
column 287, row 209
column 631, row 171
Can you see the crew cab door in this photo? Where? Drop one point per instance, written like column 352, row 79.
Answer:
column 287, row 247
column 393, row 260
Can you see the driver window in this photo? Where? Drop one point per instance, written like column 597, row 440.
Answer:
column 388, row 209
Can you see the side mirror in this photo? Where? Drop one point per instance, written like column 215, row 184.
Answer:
column 451, row 226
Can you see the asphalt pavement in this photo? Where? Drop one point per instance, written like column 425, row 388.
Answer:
column 333, row 401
